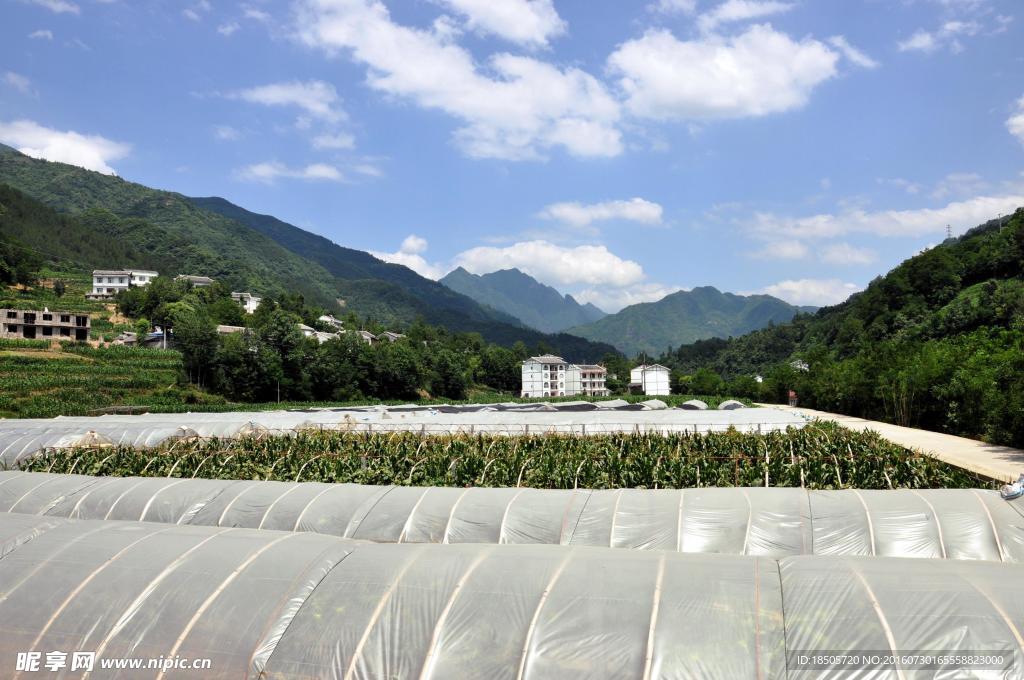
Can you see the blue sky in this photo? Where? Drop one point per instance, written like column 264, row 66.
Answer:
column 615, row 150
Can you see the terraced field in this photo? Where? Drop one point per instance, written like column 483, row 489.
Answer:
column 37, row 381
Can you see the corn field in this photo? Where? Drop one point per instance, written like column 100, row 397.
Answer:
column 38, row 383
column 819, row 456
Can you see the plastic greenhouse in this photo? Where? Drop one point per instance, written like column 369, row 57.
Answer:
column 302, row 605
column 963, row 524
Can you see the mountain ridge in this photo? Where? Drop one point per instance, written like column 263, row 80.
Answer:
column 171, row 232
column 523, row 297
column 684, row 317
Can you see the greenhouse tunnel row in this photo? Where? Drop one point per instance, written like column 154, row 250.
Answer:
column 963, row 524
column 273, row 604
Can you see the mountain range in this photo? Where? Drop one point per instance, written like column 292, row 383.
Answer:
column 104, row 222
column 523, row 297
column 684, row 317
column 108, row 222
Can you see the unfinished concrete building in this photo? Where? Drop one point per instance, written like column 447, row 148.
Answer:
column 30, row 324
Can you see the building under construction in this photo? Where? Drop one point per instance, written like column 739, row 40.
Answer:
column 30, row 324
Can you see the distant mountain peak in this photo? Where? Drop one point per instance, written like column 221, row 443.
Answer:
column 517, row 293
column 686, row 316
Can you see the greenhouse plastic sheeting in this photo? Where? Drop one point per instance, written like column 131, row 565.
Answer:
column 939, row 523
column 305, row 606
column 21, row 438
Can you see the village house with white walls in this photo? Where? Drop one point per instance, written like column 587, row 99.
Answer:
column 106, row 283
column 650, row 379
column 552, row 376
column 249, row 302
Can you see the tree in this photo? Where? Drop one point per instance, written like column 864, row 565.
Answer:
column 449, row 375
column 58, row 288
column 196, row 338
column 500, row 369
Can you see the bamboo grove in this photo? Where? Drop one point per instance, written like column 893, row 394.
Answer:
column 819, row 456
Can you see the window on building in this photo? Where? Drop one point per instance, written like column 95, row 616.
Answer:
column 47, row 330
column 65, row 318
column 47, row 317
column 66, row 332
column 12, row 315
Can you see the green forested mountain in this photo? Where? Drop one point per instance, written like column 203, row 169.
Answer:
column 107, row 222
column 938, row 342
column 684, row 317
column 523, row 297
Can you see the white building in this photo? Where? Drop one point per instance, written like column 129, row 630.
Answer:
column 110, row 282
column 331, row 321
column 390, row 336
column 651, row 379
column 196, row 281
column 592, row 380
column 551, row 376
column 250, row 303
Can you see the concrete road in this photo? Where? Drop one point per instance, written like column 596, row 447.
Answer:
column 998, row 462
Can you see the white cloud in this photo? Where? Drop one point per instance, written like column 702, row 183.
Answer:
column 57, row 6
column 580, row 215
column 912, row 188
column 947, row 36
column 410, row 255
column 41, row 34
column 732, row 11
column 228, row 29
column 960, row 215
column 368, row 169
column 269, row 172
column 91, row 152
column 852, row 54
column 315, row 97
column 524, row 22
column 226, row 133
column 846, row 254
column 817, row 292
column 554, row 264
column 256, row 15
column 614, row 299
column 340, row 140
column 780, row 250
column 756, row 73
column 18, row 82
column 518, row 109
column 959, row 185
column 673, row 6
column 414, row 244
column 1015, row 124
column 191, row 14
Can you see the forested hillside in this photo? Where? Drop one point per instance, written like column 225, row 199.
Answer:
column 107, row 222
column 520, row 295
column 686, row 316
column 937, row 343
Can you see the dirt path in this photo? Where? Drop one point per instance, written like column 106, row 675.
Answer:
column 998, row 462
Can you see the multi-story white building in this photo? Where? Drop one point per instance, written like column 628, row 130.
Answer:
column 551, row 376
column 250, row 303
column 110, row 282
column 592, row 379
column 651, row 379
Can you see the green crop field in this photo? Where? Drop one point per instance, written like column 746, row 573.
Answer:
column 39, row 382
column 819, row 456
